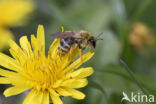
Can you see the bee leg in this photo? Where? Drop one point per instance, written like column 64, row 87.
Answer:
column 59, row 51
column 81, row 53
column 91, row 48
column 70, row 52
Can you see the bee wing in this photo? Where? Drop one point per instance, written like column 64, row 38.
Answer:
column 66, row 35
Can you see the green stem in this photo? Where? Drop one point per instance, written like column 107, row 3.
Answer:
column 132, row 76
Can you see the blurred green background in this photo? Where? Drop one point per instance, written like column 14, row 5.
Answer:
column 129, row 29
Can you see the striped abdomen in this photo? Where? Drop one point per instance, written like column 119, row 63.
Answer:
column 65, row 45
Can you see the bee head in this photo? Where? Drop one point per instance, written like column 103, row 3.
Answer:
column 92, row 41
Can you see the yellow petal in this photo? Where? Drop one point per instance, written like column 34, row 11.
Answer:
column 7, row 73
column 41, row 39
column 25, row 45
column 37, row 98
column 53, row 92
column 56, row 100
column 63, row 92
column 78, row 62
column 55, row 97
column 17, row 52
column 20, row 81
column 15, row 90
column 82, row 73
column 76, row 94
column 4, row 80
column 52, row 50
column 15, row 78
column 8, row 62
column 57, row 83
column 35, row 46
column 29, row 97
column 45, row 98
column 15, row 47
column 68, row 58
column 75, row 83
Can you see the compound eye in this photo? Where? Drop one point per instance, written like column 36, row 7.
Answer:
column 92, row 41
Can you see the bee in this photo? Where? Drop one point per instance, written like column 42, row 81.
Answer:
column 71, row 40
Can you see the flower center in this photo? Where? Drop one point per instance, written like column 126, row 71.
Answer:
column 43, row 71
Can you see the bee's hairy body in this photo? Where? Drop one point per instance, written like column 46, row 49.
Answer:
column 71, row 39
column 65, row 45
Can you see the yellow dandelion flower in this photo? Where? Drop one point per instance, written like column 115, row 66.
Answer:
column 13, row 12
column 47, row 76
column 5, row 35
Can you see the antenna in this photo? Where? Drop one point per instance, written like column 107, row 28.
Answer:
column 99, row 36
column 99, row 39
